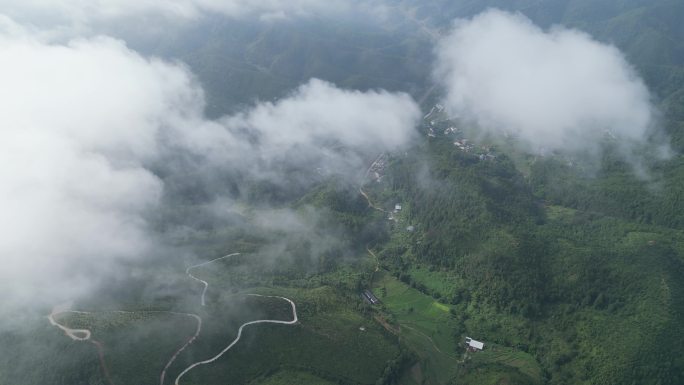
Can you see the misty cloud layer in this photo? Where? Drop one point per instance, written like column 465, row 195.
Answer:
column 72, row 144
column 67, row 17
column 83, row 122
column 556, row 89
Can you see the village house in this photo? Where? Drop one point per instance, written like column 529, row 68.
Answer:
column 473, row 345
column 370, row 297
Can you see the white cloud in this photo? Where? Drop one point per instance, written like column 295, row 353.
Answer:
column 558, row 89
column 320, row 126
column 82, row 123
column 370, row 119
column 78, row 123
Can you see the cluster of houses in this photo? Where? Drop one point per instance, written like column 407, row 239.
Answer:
column 483, row 153
column 431, row 130
column 391, row 217
column 451, row 130
column 464, row 145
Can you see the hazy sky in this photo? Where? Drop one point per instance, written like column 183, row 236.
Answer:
column 97, row 10
column 557, row 89
column 84, row 120
column 59, row 18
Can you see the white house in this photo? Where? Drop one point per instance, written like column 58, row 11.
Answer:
column 474, row 345
column 397, row 207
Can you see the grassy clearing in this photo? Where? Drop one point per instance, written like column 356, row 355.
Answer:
column 417, row 310
column 425, row 326
column 436, row 281
column 494, row 374
column 429, row 328
column 290, row 377
column 523, row 362
column 435, row 366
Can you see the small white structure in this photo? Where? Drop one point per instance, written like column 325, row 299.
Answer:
column 474, row 345
column 397, row 207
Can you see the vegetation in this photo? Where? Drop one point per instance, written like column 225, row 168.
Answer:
column 328, row 344
column 286, row 377
column 571, row 272
column 587, row 294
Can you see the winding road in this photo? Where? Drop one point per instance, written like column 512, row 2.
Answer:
column 83, row 335
column 74, row 334
column 180, row 350
column 370, row 203
column 377, row 265
column 235, row 341
column 203, row 282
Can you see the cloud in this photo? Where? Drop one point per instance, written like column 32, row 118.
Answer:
column 322, row 129
column 557, row 89
column 73, row 17
column 85, row 123
column 79, row 121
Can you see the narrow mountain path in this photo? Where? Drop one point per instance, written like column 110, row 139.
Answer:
column 82, row 335
column 74, row 334
column 180, row 350
column 203, row 282
column 103, row 363
column 365, row 195
column 434, row 345
column 377, row 266
column 370, row 203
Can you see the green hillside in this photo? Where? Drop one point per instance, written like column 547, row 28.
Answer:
column 589, row 295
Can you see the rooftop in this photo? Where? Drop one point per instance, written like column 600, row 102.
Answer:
column 474, row 344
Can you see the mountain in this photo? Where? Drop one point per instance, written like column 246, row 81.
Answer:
column 568, row 267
